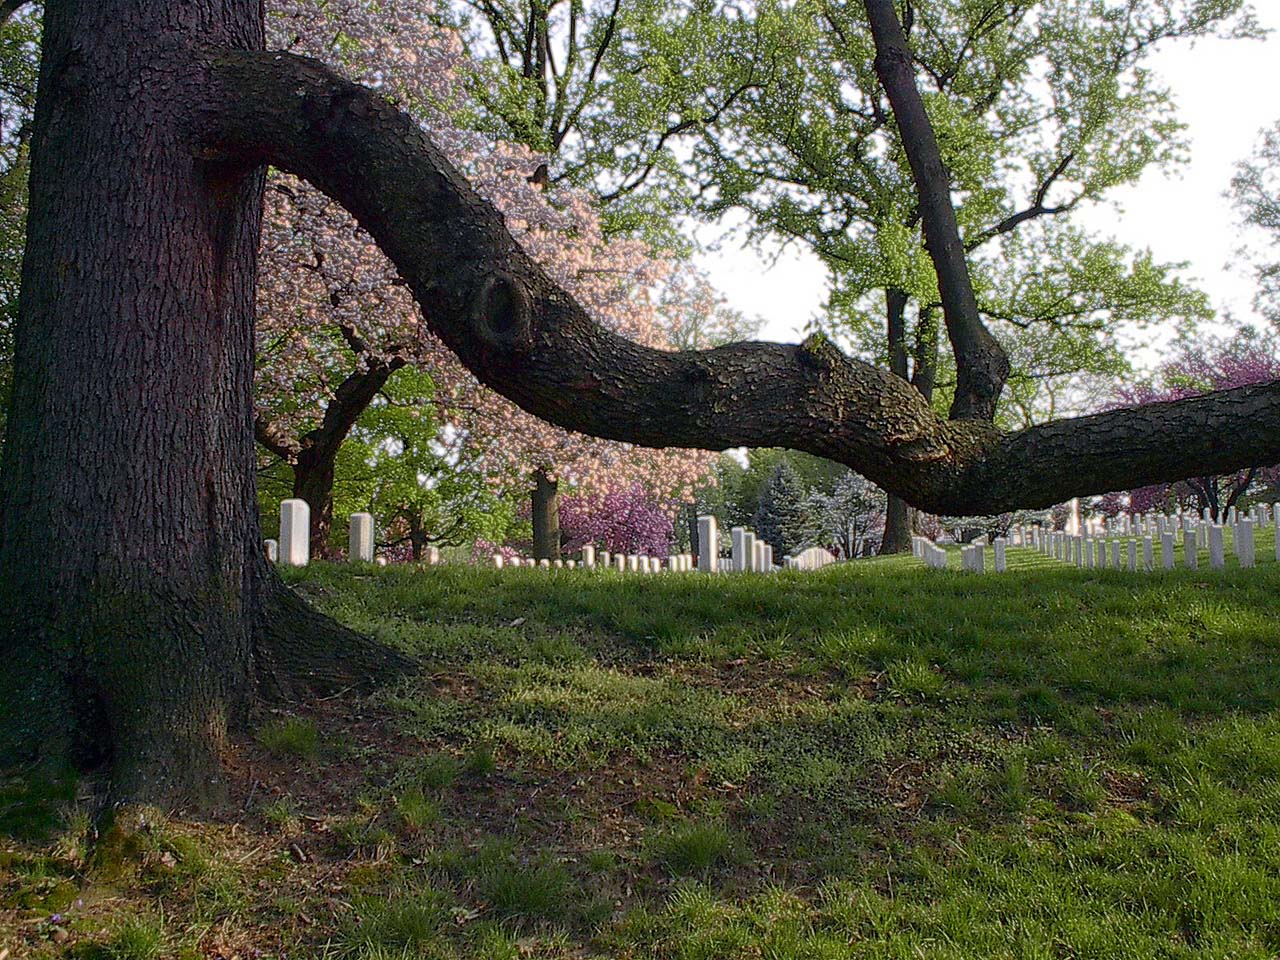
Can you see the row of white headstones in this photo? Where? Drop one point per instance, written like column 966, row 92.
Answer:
column 1094, row 550
column 748, row 553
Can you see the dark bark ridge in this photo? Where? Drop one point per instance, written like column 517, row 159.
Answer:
column 453, row 249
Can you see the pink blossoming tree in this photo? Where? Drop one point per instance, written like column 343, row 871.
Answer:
column 336, row 322
column 1198, row 368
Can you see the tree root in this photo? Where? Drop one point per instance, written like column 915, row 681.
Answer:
column 302, row 653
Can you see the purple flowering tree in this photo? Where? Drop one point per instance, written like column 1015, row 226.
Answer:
column 622, row 520
column 1198, row 368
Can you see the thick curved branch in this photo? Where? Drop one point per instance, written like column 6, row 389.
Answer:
column 527, row 339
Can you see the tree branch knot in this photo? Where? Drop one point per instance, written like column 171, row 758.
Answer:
column 501, row 312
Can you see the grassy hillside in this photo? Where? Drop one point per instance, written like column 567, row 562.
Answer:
column 875, row 760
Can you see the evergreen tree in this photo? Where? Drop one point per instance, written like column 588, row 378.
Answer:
column 779, row 518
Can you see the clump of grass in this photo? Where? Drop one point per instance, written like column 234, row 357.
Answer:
column 416, row 810
column 365, row 834
column 600, row 861
column 408, row 923
column 137, row 938
column 436, row 772
column 539, row 892
column 283, row 814
column 913, row 680
column 480, row 761
column 294, row 737
column 693, row 848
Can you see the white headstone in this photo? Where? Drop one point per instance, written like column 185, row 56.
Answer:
column 295, row 533
column 1001, row 562
column 708, row 544
column 433, row 555
column 273, row 550
column 1148, row 554
column 1217, row 558
column 360, row 548
column 1190, row 549
column 545, row 563
column 814, row 558
column 1244, row 542
column 738, row 547
column 589, row 555
column 1166, row 548
column 620, row 561
column 498, row 561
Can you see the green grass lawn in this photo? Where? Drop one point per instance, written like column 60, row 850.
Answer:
column 874, row 760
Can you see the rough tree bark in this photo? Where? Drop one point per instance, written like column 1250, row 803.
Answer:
column 545, row 499
column 140, row 617
column 527, row 339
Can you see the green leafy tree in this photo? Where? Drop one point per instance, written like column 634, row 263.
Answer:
column 1039, row 107
column 1255, row 191
column 19, row 60
column 605, row 89
column 417, row 486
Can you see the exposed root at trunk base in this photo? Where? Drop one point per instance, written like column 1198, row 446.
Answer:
column 300, row 652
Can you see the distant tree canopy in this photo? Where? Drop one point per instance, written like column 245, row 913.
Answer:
column 1255, row 190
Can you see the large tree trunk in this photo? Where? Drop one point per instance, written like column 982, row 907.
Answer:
column 139, row 610
column 313, row 482
column 546, row 517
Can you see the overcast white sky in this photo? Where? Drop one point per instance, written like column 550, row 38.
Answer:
column 1227, row 91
